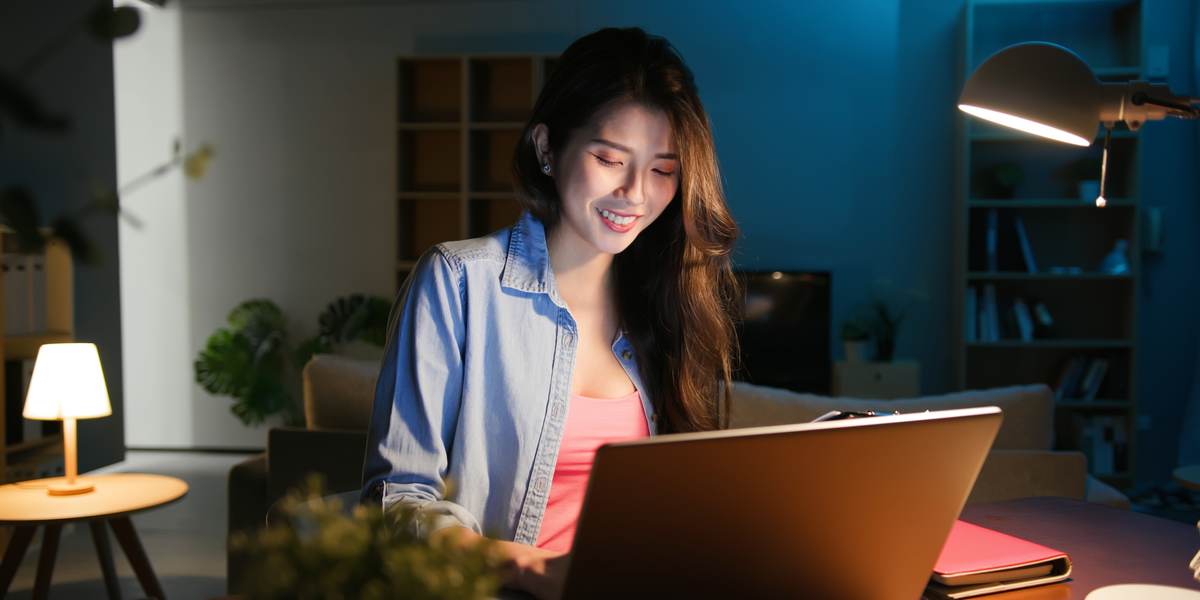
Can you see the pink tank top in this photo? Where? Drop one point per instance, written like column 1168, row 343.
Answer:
column 591, row 423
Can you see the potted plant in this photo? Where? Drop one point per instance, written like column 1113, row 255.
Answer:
column 887, row 313
column 997, row 182
column 319, row 549
column 1081, row 178
column 249, row 361
column 856, row 338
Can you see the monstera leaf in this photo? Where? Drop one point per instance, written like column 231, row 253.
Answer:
column 245, row 362
column 349, row 318
column 356, row 316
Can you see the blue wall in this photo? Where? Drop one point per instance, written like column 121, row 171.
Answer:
column 1170, row 298
column 835, row 128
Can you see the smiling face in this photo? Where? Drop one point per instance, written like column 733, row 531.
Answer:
column 615, row 176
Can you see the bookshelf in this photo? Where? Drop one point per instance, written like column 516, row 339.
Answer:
column 458, row 121
column 22, row 459
column 1094, row 313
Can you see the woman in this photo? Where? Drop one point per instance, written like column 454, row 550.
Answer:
column 602, row 315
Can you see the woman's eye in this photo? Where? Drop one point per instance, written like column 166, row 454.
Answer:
column 665, row 173
column 607, row 163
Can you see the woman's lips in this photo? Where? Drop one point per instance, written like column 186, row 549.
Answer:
column 616, row 221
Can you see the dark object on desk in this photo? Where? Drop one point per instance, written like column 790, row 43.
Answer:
column 783, row 330
column 1107, row 546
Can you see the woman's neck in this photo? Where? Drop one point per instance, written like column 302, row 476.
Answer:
column 582, row 273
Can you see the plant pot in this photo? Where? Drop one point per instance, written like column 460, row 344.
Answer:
column 857, row 351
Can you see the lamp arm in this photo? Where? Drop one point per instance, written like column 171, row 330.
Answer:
column 1184, row 110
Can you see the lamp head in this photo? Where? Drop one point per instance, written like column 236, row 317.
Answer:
column 67, row 383
column 1037, row 87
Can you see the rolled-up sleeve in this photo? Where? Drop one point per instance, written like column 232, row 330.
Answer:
column 418, row 397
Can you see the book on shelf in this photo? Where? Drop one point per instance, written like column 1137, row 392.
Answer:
column 1095, row 376
column 1024, row 319
column 1082, row 378
column 24, row 293
column 972, row 315
column 1026, row 249
column 993, row 313
column 993, row 229
column 18, row 429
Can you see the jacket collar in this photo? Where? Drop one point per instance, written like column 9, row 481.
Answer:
column 527, row 264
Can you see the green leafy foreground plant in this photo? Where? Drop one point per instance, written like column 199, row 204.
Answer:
column 364, row 555
column 249, row 361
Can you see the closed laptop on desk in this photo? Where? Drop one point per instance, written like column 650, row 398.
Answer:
column 846, row 509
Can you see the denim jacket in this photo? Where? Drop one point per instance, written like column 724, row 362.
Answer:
column 476, row 385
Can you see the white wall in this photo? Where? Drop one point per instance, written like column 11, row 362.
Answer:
column 299, row 102
column 148, row 72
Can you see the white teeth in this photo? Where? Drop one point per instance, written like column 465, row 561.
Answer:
column 616, row 219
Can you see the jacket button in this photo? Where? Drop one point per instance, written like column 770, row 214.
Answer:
column 567, row 339
column 627, row 355
column 654, row 418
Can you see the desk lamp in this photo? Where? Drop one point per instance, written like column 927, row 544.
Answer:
column 67, row 384
column 1047, row 90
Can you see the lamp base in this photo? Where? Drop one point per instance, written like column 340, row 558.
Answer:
column 62, row 488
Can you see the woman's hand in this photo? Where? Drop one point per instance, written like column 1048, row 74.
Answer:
column 534, row 570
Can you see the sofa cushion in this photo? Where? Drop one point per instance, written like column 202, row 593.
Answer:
column 339, row 392
column 1028, row 410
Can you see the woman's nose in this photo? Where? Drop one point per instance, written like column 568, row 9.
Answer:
column 632, row 190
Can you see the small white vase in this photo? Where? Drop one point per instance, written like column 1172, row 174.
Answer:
column 857, row 351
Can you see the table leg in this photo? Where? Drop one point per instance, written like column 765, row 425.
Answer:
column 123, row 528
column 104, row 552
column 13, row 555
column 45, row 569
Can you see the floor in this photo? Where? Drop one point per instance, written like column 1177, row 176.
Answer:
column 185, row 540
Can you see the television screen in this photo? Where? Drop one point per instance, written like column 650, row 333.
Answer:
column 784, row 330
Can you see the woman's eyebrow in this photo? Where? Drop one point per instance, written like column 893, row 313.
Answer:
column 628, row 150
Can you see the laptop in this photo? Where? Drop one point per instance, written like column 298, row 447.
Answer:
column 856, row 508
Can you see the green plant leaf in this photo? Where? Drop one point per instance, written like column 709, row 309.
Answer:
column 353, row 317
column 20, row 214
column 82, row 249
column 226, row 365
column 317, row 344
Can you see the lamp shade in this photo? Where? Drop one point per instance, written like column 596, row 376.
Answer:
column 1039, row 88
column 67, row 383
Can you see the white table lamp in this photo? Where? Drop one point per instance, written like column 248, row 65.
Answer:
column 67, row 384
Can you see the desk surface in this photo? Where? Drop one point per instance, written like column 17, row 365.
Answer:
column 27, row 503
column 1107, row 546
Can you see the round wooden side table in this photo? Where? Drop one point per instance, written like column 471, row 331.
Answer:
column 26, row 505
column 1188, row 477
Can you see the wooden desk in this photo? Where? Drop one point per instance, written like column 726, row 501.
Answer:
column 27, row 506
column 1107, row 546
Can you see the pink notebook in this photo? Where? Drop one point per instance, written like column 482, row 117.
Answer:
column 977, row 561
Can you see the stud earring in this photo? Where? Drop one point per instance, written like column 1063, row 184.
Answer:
column 546, row 169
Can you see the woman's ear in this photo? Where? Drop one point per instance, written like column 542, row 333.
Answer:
column 541, row 143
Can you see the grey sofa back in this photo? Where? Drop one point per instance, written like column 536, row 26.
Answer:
column 1028, row 410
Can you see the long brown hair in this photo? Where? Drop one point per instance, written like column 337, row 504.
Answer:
column 674, row 285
